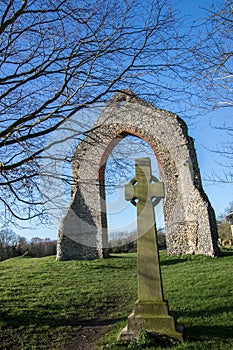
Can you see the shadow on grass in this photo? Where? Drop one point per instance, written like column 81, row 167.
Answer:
column 123, row 256
column 171, row 260
column 174, row 261
column 226, row 252
column 208, row 332
column 211, row 331
column 25, row 320
column 107, row 267
column 194, row 333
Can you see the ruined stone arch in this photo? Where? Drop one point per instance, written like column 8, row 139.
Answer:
column 189, row 218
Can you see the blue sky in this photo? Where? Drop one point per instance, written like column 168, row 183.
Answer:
column 205, row 137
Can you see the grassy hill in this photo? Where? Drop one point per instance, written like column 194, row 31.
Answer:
column 44, row 303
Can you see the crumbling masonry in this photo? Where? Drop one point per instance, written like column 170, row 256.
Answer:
column 189, row 218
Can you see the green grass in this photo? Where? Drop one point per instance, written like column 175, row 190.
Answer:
column 43, row 302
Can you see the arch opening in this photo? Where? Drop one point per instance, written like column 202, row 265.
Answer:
column 119, row 170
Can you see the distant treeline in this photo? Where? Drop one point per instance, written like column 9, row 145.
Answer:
column 123, row 242
column 12, row 245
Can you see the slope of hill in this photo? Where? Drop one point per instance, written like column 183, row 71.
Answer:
column 45, row 304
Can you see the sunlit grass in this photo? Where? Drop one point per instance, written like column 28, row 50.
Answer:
column 43, row 298
column 43, row 301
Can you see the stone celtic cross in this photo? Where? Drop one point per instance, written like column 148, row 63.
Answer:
column 145, row 191
column 150, row 311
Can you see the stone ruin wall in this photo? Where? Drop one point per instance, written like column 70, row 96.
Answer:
column 189, row 218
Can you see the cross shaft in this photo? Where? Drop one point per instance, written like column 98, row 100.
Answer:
column 145, row 191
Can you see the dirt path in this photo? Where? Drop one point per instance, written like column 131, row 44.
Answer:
column 88, row 335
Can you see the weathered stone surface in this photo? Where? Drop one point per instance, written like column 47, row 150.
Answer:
column 150, row 311
column 189, row 218
column 141, row 188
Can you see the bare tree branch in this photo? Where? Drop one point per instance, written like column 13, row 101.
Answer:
column 57, row 58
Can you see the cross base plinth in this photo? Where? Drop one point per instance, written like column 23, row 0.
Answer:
column 152, row 317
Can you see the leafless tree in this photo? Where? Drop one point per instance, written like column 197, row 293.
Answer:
column 39, row 247
column 22, row 245
column 8, row 243
column 58, row 58
column 214, row 54
column 213, row 74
